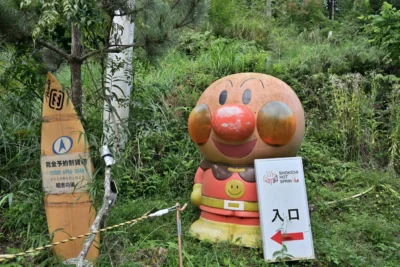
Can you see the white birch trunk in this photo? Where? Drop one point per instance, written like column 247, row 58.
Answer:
column 118, row 82
column 269, row 8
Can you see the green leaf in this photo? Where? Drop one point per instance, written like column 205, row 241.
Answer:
column 9, row 197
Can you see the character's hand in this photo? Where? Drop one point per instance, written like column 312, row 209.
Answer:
column 195, row 197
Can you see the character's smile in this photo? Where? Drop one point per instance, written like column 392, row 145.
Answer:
column 233, row 193
column 235, row 151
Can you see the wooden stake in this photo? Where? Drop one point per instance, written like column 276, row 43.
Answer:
column 178, row 223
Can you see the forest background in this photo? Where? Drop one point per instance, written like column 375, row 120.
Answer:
column 345, row 70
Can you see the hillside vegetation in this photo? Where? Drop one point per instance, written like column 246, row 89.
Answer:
column 346, row 73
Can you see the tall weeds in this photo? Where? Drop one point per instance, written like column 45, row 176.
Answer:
column 394, row 136
column 348, row 100
column 366, row 118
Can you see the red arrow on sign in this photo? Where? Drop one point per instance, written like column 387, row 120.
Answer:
column 279, row 237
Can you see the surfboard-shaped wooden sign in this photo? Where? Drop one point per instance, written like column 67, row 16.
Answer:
column 66, row 172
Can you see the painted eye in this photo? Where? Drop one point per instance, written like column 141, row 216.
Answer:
column 199, row 124
column 222, row 97
column 246, row 97
column 276, row 123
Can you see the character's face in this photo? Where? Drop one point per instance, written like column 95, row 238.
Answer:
column 247, row 116
column 235, row 189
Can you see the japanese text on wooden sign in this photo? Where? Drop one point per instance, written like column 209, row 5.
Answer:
column 67, row 173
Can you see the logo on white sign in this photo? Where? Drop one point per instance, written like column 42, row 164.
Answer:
column 270, row 177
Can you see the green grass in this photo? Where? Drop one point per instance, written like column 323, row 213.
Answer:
column 349, row 97
column 357, row 232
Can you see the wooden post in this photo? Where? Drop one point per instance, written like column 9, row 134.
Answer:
column 178, row 223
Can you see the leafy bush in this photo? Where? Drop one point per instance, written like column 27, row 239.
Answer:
column 192, row 42
column 384, row 31
column 225, row 56
column 305, row 14
column 376, row 5
column 222, row 14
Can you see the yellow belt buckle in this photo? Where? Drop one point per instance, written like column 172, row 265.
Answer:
column 233, row 205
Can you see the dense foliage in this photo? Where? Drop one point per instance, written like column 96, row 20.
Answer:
column 345, row 72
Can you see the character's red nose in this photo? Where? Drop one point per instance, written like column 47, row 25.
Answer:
column 233, row 122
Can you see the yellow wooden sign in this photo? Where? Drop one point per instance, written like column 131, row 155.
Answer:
column 66, row 171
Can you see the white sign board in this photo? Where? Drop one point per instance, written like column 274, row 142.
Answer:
column 282, row 202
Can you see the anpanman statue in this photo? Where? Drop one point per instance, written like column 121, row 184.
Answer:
column 238, row 119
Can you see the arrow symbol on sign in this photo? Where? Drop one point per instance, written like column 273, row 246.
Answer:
column 278, row 237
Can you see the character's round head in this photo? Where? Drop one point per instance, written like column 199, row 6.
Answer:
column 247, row 116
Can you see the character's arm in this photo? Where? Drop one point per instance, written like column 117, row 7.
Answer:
column 195, row 197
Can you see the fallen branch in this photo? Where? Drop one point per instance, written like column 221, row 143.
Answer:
column 100, row 214
column 108, row 200
column 347, row 198
column 312, row 207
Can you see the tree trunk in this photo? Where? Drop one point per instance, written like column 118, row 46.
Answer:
column 76, row 66
column 269, row 8
column 76, row 83
column 119, row 82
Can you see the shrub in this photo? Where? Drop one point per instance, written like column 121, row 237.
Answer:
column 384, row 31
column 305, row 14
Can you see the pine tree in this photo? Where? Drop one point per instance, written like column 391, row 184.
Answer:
column 38, row 24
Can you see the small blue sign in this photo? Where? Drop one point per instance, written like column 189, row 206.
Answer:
column 62, row 145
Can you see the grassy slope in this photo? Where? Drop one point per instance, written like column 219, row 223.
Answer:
column 158, row 166
column 357, row 232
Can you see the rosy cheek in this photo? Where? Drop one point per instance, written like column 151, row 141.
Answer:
column 200, row 124
column 276, row 123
